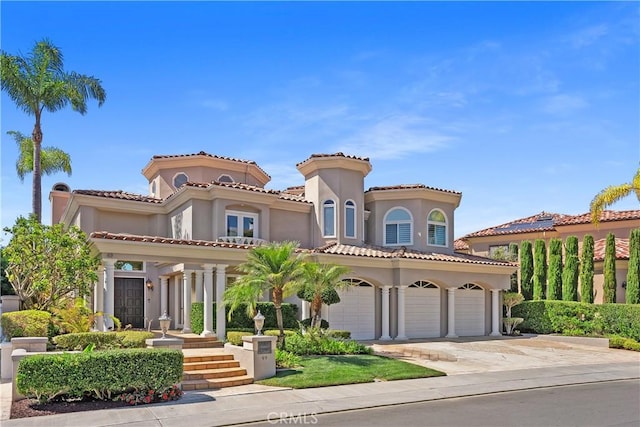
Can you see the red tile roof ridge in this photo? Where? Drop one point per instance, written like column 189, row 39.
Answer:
column 500, row 229
column 239, row 185
column 338, row 154
column 605, row 216
column 409, row 187
column 622, row 249
column 163, row 240
column 215, row 156
column 118, row 194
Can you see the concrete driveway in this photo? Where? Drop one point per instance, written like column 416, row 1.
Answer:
column 491, row 354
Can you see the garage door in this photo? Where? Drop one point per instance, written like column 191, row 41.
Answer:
column 469, row 310
column 355, row 312
column 422, row 310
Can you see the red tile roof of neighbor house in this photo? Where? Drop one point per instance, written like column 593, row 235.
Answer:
column 460, row 245
column 606, row 216
column 202, row 153
column 410, row 187
column 622, row 249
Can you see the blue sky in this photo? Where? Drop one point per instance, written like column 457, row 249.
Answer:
column 522, row 107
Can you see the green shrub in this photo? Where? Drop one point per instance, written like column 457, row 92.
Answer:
column 338, row 333
column 102, row 340
column 240, row 319
column 616, row 341
column 102, row 374
column 235, row 337
column 26, row 323
column 316, row 342
column 285, row 359
column 621, row 319
column 307, row 323
column 276, row 332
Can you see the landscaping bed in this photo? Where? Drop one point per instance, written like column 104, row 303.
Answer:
column 32, row 408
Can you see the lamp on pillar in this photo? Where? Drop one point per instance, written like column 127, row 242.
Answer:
column 149, row 284
column 164, row 323
column 259, row 322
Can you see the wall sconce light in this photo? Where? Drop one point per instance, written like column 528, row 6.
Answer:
column 149, row 284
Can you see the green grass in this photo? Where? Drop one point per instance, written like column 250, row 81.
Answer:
column 321, row 371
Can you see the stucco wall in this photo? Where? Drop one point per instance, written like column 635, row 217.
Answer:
column 290, row 226
column 181, row 222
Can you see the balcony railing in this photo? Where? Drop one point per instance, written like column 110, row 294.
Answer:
column 241, row 240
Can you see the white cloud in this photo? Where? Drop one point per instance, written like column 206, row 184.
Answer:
column 588, row 36
column 563, row 104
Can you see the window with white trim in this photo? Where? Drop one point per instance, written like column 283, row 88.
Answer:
column 225, row 178
column 437, row 228
column 398, row 227
column 470, row 286
column 329, row 218
column 180, row 179
column 242, row 224
column 350, row 219
column 423, row 285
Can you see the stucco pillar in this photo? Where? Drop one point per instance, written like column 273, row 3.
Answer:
column 164, row 294
column 177, row 314
column 385, row 314
column 109, row 288
column 98, row 301
column 199, row 289
column 451, row 313
column 221, row 320
column 401, row 319
column 495, row 313
column 305, row 309
column 186, row 291
column 207, row 330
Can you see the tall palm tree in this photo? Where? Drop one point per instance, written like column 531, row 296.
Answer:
column 52, row 159
column 37, row 82
column 273, row 267
column 612, row 194
column 320, row 280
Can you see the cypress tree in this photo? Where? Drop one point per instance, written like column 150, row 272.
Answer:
column 554, row 289
column 526, row 270
column 632, row 295
column 513, row 256
column 570, row 271
column 609, row 287
column 586, row 270
column 539, row 270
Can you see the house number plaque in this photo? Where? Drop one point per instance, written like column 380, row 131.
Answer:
column 264, row 347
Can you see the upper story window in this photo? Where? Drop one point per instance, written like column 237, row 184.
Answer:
column 398, row 227
column 225, row 178
column 329, row 218
column 180, row 179
column 350, row 219
column 153, row 189
column 437, row 228
column 129, row 265
column 242, row 224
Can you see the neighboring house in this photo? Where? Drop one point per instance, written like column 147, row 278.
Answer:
column 547, row 226
column 183, row 241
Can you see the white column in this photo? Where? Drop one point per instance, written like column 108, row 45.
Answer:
column 305, row 309
column 401, row 322
column 186, row 291
column 221, row 320
column 495, row 313
column 98, row 302
column 199, row 289
column 451, row 313
column 164, row 295
column 385, row 314
column 109, row 286
column 208, row 301
column 177, row 314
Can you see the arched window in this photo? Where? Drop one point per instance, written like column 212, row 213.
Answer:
column 398, row 227
column 470, row 286
column 423, row 284
column 225, row 178
column 350, row 219
column 153, row 189
column 329, row 218
column 437, row 228
column 180, row 179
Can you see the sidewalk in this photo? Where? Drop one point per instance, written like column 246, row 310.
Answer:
column 256, row 403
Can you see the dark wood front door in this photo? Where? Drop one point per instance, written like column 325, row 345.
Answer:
column 129, row 302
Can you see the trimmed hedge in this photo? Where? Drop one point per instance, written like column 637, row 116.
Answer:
column 101, row 374
column 102, row 340
column 26, row 323
column 235, row 337
column 575, row 318
column 240, row 319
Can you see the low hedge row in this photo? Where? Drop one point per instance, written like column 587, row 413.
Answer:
column 102, row 340
column 235, row 337
column 25, row 323
column 240, row 319
column 101, row 374
column 576, row 318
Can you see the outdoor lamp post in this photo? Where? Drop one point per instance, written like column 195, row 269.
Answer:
column 259, row 322
column 164, row 323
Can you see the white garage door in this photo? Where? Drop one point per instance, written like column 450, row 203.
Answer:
column 355, row 312
column 422, row 310
column 469, row 316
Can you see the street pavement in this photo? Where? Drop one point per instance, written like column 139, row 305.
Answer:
column 501, row 365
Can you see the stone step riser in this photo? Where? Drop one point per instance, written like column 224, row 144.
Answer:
column 210, row 358
column 198, row 366
column 215, row 383
column 208, row 375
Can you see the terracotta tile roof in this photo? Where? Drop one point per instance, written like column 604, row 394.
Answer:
column 382, row 252
column 339, row 154
column 622, row 249
column 460, row 245
column 409, row 187
column 238, row 185
column 118, row 194
column 544, row 221
column 163, row 240
column 202, row 153
column 606, row 216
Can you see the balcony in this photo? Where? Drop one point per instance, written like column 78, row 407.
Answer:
column 241, row 240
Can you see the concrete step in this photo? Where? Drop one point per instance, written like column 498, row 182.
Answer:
column 215, row 383
column 207, row 358
column 206, row 374
column 211, row 364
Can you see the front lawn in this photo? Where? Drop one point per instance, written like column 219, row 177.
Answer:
column 321, row 371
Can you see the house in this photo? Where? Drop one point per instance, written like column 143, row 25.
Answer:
column 183, row 241
column 547, row 226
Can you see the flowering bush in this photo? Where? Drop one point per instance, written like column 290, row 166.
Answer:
column 139, row 397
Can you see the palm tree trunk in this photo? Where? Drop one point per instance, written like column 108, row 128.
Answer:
column 277, row 304
column 316, row 306
column 36, row 191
